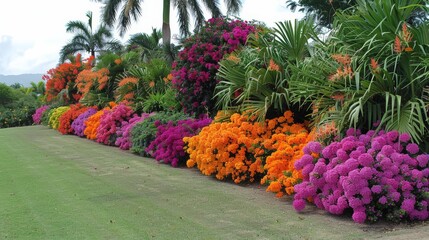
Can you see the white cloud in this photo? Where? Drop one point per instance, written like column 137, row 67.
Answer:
column 31, row 36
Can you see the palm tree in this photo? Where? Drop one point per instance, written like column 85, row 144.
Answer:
column 86, row 39
column 148, row 44
column 131, row 9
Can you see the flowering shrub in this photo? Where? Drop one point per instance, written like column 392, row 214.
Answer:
column 195, row 70
column 93, row 122
column 37, row 116
column 168, row 146
column 78, row 125
column 123, row 140
column 63, row 77
column 377, row 176
column 54, row 118
column 144, row 132
column 111, row 121
column 69, row 116
column 238, row 150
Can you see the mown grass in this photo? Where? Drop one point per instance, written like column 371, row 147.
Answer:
column 63, row 187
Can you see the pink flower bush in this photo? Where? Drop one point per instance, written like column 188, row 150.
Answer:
column 37, row 116
column 110, row 123
column 123, row 140
column 195, row 69
column 377, row 176
column 168, row 146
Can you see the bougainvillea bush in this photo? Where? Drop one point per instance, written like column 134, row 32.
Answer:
column 375, row 175
column 55, row 114
column 68, row 117
column 195, row 69
column 92, row 122
column 111, row 121
column 168, row 145
column 144, row 132
column 245, row 150
column 37, row 116
column 123, row 140
column 78, row 124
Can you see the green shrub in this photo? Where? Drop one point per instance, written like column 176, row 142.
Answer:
column 144, row 132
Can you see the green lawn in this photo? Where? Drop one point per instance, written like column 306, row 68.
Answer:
column 64, row 187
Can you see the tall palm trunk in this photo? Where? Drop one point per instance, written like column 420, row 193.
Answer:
column 166, row 32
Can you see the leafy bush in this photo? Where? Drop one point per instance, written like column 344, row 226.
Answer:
column 376, row 175
column 143, row 133
column 195, row 69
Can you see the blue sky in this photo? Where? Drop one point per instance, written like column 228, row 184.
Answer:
column 31, row 36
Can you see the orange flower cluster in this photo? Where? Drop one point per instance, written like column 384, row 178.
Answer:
column 63, row 77
column 228, row 149
column 88, row 80
column 273, row 66
column 402, row 42
column 93, row 122
column 245, row 150
column 285, row 144
column 344, row 70
column 68, row 117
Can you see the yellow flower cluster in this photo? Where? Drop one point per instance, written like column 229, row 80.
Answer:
column 54, row 119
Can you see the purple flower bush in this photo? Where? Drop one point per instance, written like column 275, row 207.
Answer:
column 123, row 140
column 78, row 125
column 37, row 116
column 376, row 175
column 195, row 70
column 168, row 143
column 111, row 121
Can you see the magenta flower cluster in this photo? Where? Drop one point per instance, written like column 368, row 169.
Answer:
column 168, row 144
column 123, row 140
column 78, row 125
column 111, row 122
column 37, row 116
column 195, row 70
column 376, row 175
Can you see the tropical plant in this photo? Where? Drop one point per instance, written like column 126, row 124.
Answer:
column 131, row 10
column 138, row 83
column 148, row 45
column 373, row 68
column 88, row 39
column 254, row 79
column 194, row 72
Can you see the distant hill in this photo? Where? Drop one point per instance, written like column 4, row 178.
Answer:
column 23, row 79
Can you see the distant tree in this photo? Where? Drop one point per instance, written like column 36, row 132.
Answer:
column 16, row 85
column 323, row 11
column 87, row 39
column 6, row 94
